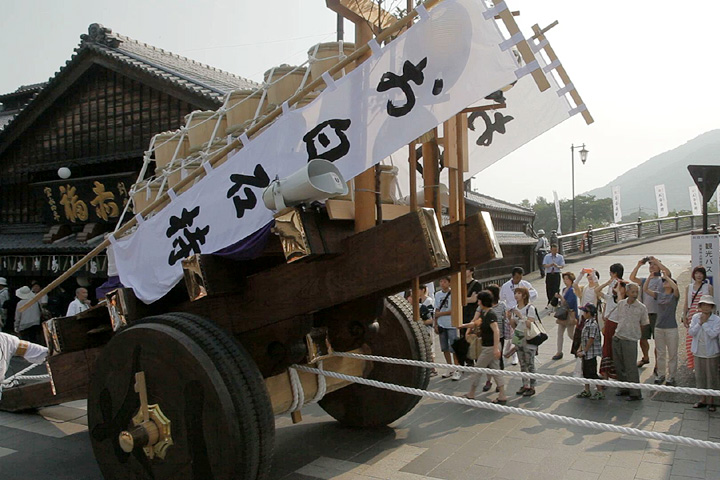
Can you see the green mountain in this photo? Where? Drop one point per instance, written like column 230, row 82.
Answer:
column 637, row 186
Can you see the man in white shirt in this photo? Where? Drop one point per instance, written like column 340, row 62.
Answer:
column 507, row 291
column 443, row 326
column 11, row 345
column 542, row 247
column 632, row 317
column 553, row 262
column 80, row 304
column 4, row 297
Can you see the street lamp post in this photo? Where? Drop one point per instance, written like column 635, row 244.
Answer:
column 583, row 158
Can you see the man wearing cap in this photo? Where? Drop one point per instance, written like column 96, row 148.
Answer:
column 11, row 346
column 542, row 247
column 4, row 297
column 27, row 323
column 631, row 316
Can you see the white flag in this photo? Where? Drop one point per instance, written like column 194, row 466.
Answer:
column 695, row 200
column 557, row 212
column 617, row 211
column 661, row 200
column 717, row 199
column 438, row 67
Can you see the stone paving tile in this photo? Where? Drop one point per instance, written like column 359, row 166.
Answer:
column 688, row 468
column 653, row 471
column 625, row 459
column 578, row 475
column 659, row 457
column 516, row 471
column 614, row 472
column 590, row 463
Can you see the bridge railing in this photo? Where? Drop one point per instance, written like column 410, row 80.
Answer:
column 587, row 240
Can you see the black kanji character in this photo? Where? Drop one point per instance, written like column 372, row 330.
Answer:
column 189, row 242
column 411, row 73
column 319, row 134
column 259, row 179
column 498, row 126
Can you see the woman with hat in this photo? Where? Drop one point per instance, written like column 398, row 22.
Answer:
column 705, row 328
column 590, row 349
column 27, row 323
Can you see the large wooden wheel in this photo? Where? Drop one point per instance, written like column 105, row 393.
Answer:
column 207, row 386
column 397, row 336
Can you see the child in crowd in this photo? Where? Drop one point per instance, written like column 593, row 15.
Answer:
column 590, row 349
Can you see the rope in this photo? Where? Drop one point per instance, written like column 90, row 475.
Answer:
column 536, row 376
column 297, row 391
column 322, row 385
column 519, row 411
column 19, row 375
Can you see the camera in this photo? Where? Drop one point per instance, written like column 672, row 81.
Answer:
column 657, row 274
column 645, row 260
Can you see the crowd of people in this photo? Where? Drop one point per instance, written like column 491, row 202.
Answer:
column 26, row 323
column 607, row 323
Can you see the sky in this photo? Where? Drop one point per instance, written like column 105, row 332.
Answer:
column 643, row 68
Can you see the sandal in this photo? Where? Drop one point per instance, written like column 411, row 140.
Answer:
column 643, row 362
column 699, row 405
column 529, row 392
column 711, row 408
column 497, row 401
column 465, row 395
column 521, row 391
column 487, row 386
column 584, row 394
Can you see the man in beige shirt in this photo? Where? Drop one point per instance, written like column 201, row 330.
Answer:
column 632, row 316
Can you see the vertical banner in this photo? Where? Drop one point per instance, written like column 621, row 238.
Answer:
column 706, row 253
column 695, row 200
column 661, row 199
column 617, row 211
column 557, row 212
column 717, row 199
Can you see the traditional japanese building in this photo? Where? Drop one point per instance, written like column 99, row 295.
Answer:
column 513, row 227
column 93, row 119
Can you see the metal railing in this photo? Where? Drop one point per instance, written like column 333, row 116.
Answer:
column 588, row 240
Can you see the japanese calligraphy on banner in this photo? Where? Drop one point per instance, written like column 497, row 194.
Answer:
column 617, row 211
column 86, row 200
column 661, row 200
column 442, row 64
column 706, row 253
column 695, row 200
column 557, row 213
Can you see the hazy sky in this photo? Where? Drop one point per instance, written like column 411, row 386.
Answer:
column 644, row 68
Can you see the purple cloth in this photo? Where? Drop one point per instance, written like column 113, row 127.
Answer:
column 110, row 284
column 249, row 247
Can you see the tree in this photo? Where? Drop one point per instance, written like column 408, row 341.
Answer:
column 589, row 211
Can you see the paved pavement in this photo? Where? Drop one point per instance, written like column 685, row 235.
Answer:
column 438, row 440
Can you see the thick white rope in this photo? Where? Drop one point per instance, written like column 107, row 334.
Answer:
column 536, row 376
column 20, row 376
column 297, row 390
column 321, row 384
column 519, row 411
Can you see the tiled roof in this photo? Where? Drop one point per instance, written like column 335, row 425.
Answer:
column 494, row 204
column 31, row 243
column 514, row 238
column 194, row 76
column 197, row 78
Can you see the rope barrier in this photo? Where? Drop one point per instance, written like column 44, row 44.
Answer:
column 536, row 376
column 19, row 375
column 519, row 411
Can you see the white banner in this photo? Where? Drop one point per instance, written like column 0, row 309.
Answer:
column 717, row 199
column 661, row 200
column 557, row 213
column 706, row 253
column 438, row 67
column 695, row 200
column 617, row 211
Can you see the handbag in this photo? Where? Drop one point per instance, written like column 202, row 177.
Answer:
column 475, row 346
column 536, row 334
column 562, row 312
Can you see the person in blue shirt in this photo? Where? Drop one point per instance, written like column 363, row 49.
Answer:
column 568, row 299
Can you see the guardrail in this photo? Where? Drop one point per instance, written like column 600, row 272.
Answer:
column 586, row 241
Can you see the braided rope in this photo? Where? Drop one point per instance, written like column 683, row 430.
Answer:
column 19, row 375
column 297, row 391
column 519, row 411
column 536, row 376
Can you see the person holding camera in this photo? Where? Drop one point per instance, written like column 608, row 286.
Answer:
column 655, row 266
column 698, row 288
column 666, row 329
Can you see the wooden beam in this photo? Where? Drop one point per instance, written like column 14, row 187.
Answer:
column 345, row 210
column 363, row 11
column 562, row 73
column 525, row 50
column 484, row 108
column 380, row 262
